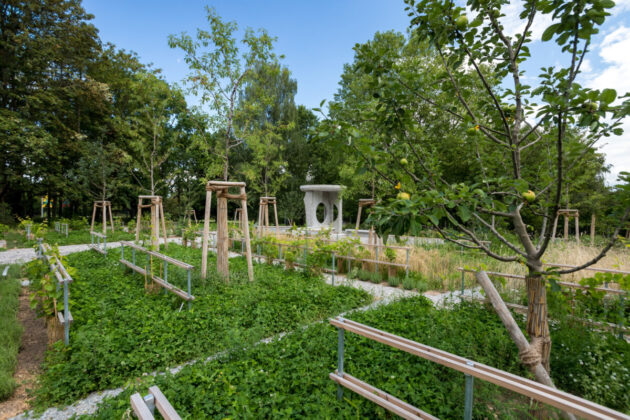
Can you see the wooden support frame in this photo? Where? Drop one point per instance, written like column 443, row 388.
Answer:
column 567, row 214
column 187, row 216
column 222, row 192
column 263, row 214
column 363, row 202
column 373, row 238
column 157, row 218
column 105, row 205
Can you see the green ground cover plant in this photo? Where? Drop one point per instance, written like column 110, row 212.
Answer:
column 10, row 329
column 288, row 378
column 120, row 331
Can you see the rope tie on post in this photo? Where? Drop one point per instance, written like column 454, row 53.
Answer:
column 533, row 354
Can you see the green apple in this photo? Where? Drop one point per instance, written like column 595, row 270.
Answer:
column 461, row 22
column 592, row 106
column 529, row 195
column 403, row 161
column 403, row 196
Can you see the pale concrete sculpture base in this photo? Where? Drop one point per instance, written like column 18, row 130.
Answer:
column 328, row 195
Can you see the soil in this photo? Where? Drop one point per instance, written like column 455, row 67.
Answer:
column 30, row 358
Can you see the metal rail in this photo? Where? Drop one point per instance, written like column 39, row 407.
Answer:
column 63, row 280
column 162, row 282
column 96, row 245
column 545, row 394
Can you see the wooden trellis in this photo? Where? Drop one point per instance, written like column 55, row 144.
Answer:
column 105, row 205
column 263, row 214
column 157, row 216
column 567, row 213
column 222, row 190
column 190, row 214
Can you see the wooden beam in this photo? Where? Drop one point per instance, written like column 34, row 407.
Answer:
column 140, row 409
column 164, row 407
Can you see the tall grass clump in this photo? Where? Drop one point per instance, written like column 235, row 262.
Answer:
column 11, row 332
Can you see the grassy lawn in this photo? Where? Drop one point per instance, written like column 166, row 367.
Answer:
column 289, row 377
column 120, row 331
column 10, row 329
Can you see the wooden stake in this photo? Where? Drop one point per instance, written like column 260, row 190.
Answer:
column 593, row 217
column 139, row 221
column 104, row 219
column 206, row 234
column 111, row 216
column 275, row 212
column 93, row 217
column 222, row 236
column 155, row 227
column 163, row 224
column 577, row 229
column 248, row 247
column 566, row 227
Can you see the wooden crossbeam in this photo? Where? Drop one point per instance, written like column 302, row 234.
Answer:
column 385, row 400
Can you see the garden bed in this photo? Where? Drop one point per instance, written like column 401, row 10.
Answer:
column 120, row 331
column 289, row 377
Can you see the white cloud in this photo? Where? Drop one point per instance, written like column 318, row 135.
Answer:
column 615, row 73
column 513, row 24
column 620, row 7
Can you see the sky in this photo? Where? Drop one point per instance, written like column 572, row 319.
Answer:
column 317, row 37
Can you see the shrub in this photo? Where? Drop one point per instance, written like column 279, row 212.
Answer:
column 393, row 281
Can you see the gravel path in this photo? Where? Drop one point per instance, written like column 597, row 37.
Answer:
column 22, row 255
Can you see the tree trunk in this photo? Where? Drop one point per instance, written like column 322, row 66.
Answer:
column 537, row 320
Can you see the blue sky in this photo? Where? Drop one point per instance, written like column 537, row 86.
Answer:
column 317, row 37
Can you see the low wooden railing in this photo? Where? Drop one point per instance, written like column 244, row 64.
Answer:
column 98, row 245
column 63, row 280
column 545, row 394
column 144, row 407
column 163, row 282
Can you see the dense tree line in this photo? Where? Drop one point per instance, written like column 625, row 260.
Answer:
column 81, row 120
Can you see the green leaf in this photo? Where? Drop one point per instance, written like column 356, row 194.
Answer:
column 550, row 31
column 608, row 96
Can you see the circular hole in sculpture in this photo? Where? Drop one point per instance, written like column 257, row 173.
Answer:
column 335, row 212
column 320, row 212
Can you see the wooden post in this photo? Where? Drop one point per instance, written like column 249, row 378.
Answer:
column 260, row 218
column 93, row 217
column 275, row 213
column 222, row 235
column 104, row 219
column 577, row 228
column 566, row 227
column 266, row 214
column 593, row 217
column 248, row 247
column 155, row 226
column 358, row 217
column 163, row 223
column 111, row 216
column 139, row 221
column 206, row 233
